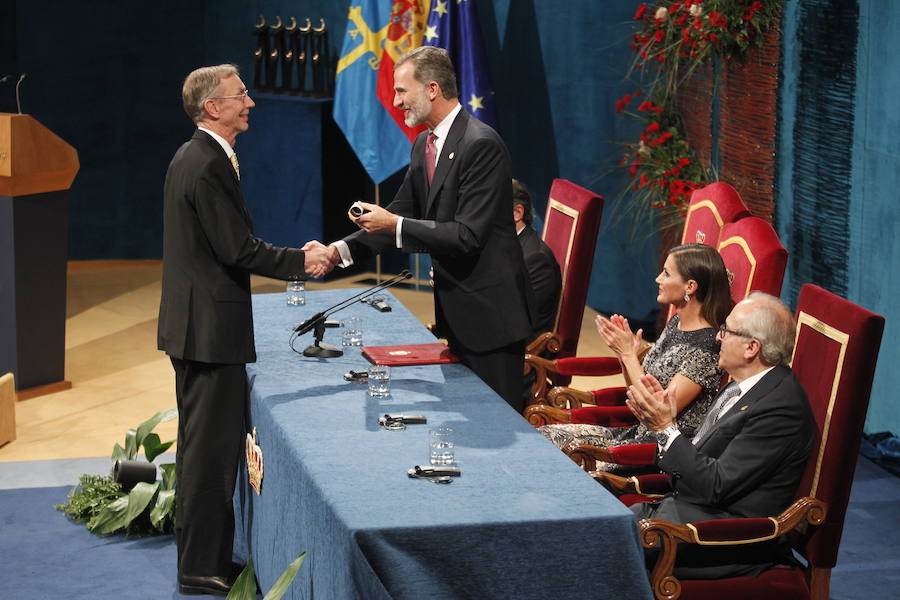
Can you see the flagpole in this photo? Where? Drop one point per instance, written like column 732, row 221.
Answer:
column 377, row 256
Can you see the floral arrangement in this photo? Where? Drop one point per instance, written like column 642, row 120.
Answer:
column 673, row 39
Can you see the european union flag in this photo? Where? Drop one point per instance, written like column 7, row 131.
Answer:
column 453, row 26
column 381, row 146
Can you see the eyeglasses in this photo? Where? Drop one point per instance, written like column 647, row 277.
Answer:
column 244, row 93
column 723, row 331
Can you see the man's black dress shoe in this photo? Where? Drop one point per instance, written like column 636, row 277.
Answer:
column 215, row 586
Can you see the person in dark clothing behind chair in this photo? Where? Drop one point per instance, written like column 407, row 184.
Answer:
column 543, row 270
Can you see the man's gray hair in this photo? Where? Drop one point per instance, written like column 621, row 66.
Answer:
column 200, row 85
column 772, row 324
column 432, row 64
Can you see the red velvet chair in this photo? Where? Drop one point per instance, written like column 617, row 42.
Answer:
column 710, row 209
column 754, row 257
column 571, row 224
column 835, row 354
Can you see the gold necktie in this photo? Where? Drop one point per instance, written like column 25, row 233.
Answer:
column 237, row 167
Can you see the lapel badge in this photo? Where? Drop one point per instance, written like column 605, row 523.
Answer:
column 450, row 157
column 254, row 463
column 745, row 407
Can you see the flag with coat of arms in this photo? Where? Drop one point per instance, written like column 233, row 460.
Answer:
column 378, row 33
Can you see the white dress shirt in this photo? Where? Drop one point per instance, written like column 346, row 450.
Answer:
column 441, row 131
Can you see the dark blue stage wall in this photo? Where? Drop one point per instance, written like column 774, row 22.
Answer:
column 857, row 153
column 106, row 77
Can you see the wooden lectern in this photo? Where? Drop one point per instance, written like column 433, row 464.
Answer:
column 36, row 171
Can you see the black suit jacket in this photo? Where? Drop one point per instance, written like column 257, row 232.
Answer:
column 464, row 220
column 750, row 463
column 545, row 279
column 209, row 251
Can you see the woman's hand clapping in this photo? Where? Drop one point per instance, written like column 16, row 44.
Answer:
column 616, row 332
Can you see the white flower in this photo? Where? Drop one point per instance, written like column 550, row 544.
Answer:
column 643, row 149
column 662, row 13
column 696, row 10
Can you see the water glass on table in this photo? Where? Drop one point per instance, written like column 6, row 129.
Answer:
column 352, row 335
column 441, row 446
column 379, row 381
column 296, row 293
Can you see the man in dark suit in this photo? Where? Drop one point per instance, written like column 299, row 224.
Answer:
column 543, row 270
column 454, row 203
column 205, row 320
column 748, row 456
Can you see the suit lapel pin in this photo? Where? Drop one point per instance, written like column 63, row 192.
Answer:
column 452, row 154
column 745, row 407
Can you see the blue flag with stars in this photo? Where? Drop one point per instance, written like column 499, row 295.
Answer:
column 453, row 26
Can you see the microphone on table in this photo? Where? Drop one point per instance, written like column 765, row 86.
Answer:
column 316, row 323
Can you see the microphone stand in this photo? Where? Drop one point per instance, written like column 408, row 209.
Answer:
column 316, row 323
column 18, row 100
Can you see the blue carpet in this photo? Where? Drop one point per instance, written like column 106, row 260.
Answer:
column 45, row 556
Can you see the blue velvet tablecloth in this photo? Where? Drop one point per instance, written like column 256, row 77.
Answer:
column 523, row 521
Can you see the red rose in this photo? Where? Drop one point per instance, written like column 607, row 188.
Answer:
column 652, row 127
column 659, row 35
column 645, row 106
column 620, row 106
column 717, row 19
column 640, row 12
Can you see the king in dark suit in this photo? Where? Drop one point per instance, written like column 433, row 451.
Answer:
column 205, row 320
column 454, row 204
column 748, row 456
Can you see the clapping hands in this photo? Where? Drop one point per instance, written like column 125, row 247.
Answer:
column 651, row 404
column 616, row 332
column 320, row 259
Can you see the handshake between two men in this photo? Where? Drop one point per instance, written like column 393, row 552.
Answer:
column 321, row 259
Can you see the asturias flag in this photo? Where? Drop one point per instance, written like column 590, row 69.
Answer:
column 378, row 32
column 453, row 26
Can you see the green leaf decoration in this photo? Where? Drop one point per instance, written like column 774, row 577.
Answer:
column 131, row 444
column 111, row 518
column 164, row 507
column 139, row 498
column 286, row 579
column 168, row 476
column 88, row 499
column 148, row 425
column 153, row 447
column 119, row 453
column 244, row 587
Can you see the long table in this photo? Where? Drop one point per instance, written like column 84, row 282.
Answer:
column 523, row 521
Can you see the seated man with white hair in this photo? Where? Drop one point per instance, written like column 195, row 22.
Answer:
column 748, row 455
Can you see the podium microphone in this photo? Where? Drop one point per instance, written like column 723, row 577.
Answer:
column 18, row 100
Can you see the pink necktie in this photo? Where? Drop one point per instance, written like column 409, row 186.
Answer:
column 430, row 155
